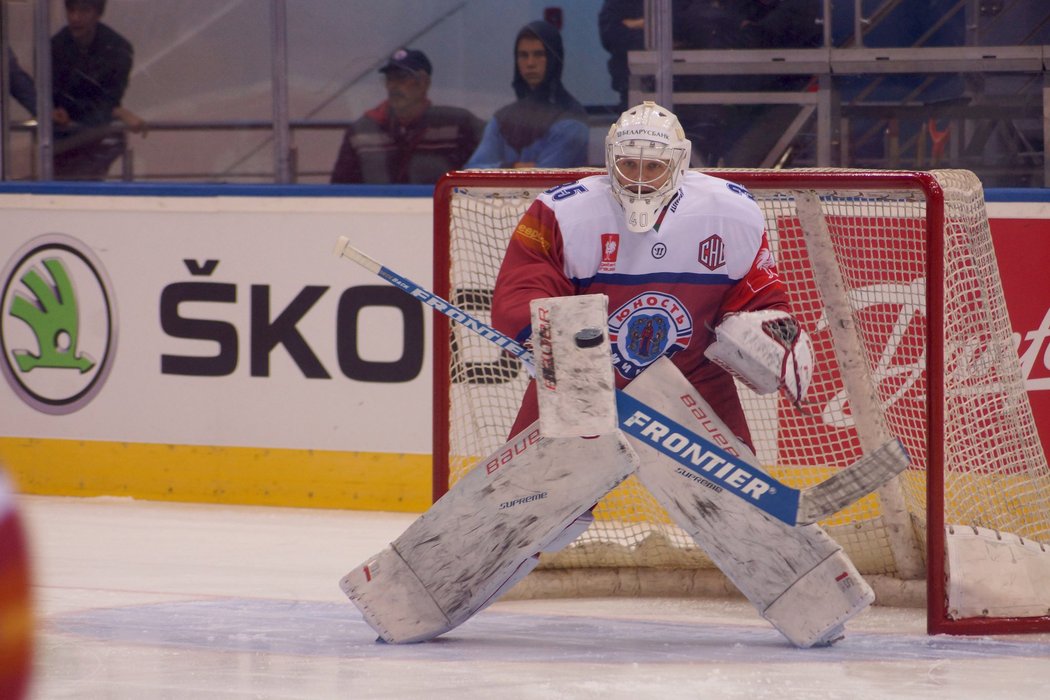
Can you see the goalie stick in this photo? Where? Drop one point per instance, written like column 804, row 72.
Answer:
column 699, row 455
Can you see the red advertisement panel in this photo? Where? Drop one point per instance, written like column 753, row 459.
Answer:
column 1022, row 247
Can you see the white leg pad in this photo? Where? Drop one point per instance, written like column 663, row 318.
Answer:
column 523, row 570
column 765, row 558
column 814, row 609
column 461, row 553
column 576, row 528
column 398, row 607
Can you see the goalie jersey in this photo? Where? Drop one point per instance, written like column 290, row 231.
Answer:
column 707, row 256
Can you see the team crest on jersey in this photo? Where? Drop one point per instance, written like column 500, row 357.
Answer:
column 646, row 327
column 610, row 249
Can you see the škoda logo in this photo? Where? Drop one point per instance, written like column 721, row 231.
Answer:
column 58, row 327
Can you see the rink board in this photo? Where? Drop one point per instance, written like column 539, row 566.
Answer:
column 215, row 349
column 246, row 364
column 209, row 474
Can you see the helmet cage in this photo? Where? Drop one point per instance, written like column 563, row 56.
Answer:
column 639, row 189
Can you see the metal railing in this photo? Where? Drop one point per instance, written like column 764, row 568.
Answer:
column 834, row 114
column 126, row 170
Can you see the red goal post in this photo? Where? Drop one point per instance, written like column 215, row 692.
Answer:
column 894, row 276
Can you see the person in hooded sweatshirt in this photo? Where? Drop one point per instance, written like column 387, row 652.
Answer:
column 546, row 127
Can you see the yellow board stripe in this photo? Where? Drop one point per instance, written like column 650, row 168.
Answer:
column 242, row 475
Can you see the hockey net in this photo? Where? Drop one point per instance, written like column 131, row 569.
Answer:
column 905, row 262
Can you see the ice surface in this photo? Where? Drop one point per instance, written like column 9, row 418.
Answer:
column 160, row 600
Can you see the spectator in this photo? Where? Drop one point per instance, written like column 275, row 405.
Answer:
column 406, row 139
column 546, row 127
column 21, row 84
column 736, row 135
column 695, row 24
column 621, row 27
column 90, row 65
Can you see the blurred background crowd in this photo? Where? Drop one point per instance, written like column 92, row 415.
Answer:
column 329, row 91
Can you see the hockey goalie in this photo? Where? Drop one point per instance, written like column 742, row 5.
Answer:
column 657, row 281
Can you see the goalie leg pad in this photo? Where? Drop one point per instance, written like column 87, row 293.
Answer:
column 576, row 528
column 765, row 558
column 814, row 609
column 523, row 570
column 468, row 546
column 401, row 610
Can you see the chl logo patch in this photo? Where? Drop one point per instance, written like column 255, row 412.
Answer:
column 610, row 250
column 648, row 326
column 712, row 252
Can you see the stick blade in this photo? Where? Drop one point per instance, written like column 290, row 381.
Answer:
column 340, row 246
column 343, row 249
column 852, row 483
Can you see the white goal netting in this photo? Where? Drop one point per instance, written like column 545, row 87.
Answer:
column 937, row 351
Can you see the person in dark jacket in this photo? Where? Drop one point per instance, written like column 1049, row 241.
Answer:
column 546, row 127
column 621, row 27
column 406, row 139
column 20, row 84
column 735, row 135
column 90, row 65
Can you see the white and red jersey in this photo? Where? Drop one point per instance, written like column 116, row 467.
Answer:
column 707, row 256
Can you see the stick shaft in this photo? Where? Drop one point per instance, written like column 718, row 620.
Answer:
column 432, row 300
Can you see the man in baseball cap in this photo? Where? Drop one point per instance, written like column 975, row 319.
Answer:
column 409, row 60
column 406, row 139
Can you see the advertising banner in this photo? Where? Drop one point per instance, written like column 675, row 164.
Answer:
column 212, row 321
column 1021, row 234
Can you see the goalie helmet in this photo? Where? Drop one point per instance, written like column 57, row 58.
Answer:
column 646, row 153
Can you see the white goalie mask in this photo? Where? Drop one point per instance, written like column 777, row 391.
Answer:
column 646, row 153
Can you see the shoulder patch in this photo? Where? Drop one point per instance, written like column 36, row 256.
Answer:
column 739, row 189
column 530, row 232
